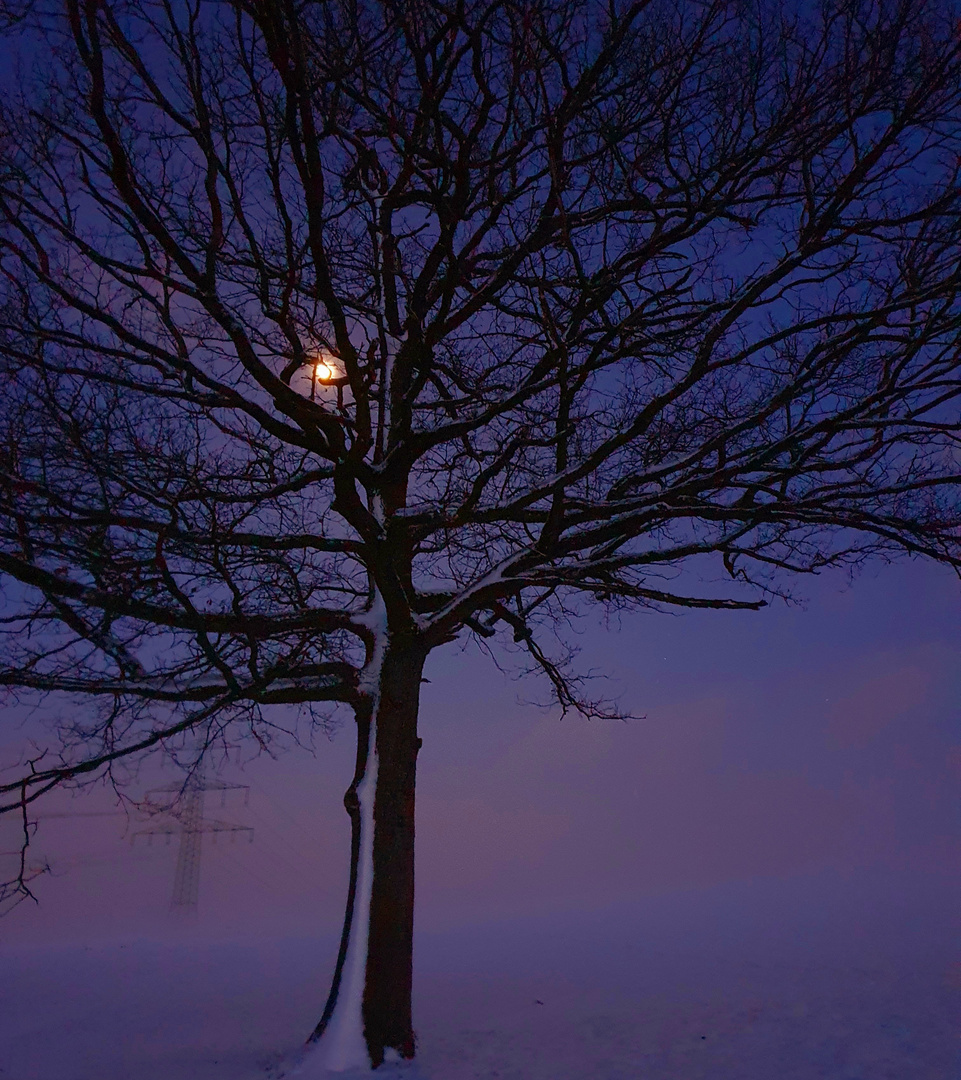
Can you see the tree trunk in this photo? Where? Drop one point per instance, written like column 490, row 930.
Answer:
column 368, row 1011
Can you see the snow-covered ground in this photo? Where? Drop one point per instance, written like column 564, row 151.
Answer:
column 817, row 978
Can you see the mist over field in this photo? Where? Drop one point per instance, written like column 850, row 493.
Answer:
column 759, row 878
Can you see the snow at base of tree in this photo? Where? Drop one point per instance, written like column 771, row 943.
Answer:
column 799, row 979
column 392, row 1069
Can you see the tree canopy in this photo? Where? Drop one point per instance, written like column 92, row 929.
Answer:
column 329, row 325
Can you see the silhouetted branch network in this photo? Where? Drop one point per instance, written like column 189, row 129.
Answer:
column 602, row 291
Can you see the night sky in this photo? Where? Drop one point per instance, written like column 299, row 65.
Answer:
column 787, row 743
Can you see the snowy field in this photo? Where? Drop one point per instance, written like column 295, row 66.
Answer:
column 821, row 978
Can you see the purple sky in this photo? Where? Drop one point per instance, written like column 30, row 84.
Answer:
column 787, row 742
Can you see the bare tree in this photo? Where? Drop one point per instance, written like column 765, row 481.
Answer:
column 334, row 332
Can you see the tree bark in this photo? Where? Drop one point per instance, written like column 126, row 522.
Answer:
column 386, row 920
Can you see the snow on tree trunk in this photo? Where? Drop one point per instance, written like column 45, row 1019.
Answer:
column 343, row 1046
column 368, row 1014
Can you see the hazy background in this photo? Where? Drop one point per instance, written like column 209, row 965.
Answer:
column 817, row 744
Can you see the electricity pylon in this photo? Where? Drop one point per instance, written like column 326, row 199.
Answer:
column 191, row 824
